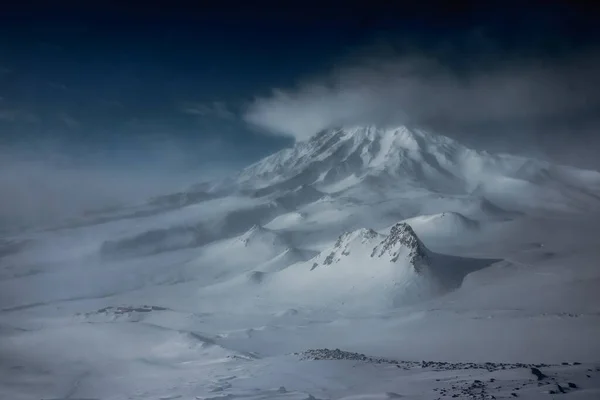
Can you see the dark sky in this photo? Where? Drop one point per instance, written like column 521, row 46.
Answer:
column 168, row 85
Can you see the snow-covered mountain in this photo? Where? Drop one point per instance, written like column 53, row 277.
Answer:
column 338, row 158
column 395, row 242
column 422, row 173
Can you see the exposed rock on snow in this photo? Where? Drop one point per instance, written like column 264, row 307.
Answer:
column 538, row 374
column 129, row 309
column 344, row 243
column 118, row 313
column 337, row 354
column 402, row 236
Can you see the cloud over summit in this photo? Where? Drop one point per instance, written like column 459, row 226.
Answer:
column 423, row 91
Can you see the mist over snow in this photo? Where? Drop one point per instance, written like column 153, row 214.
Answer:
column 45, row 187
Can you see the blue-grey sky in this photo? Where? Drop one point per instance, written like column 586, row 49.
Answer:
column 123, row 81
column 193, row 91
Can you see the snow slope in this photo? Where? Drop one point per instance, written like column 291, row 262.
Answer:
column 450, row 254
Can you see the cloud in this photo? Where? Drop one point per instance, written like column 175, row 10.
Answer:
column 39, row 192
column 42, row 185
column 216, row 108
column 420, row 90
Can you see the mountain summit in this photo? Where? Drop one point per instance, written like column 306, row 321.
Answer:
column 383, row 159
column 335, row 154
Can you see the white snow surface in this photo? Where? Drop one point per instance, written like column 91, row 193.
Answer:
column 395, row 243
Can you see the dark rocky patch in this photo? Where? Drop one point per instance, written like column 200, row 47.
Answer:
column 560, row 388
column 403, row 234
column 329, row 259
column 539, row 374
column 337, row 354
column 476, row 389
column 121, row 310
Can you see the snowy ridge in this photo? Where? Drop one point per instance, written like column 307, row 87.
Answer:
column 445, row 224
column 345, row 244
column 288, row 257
column 258, row 235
